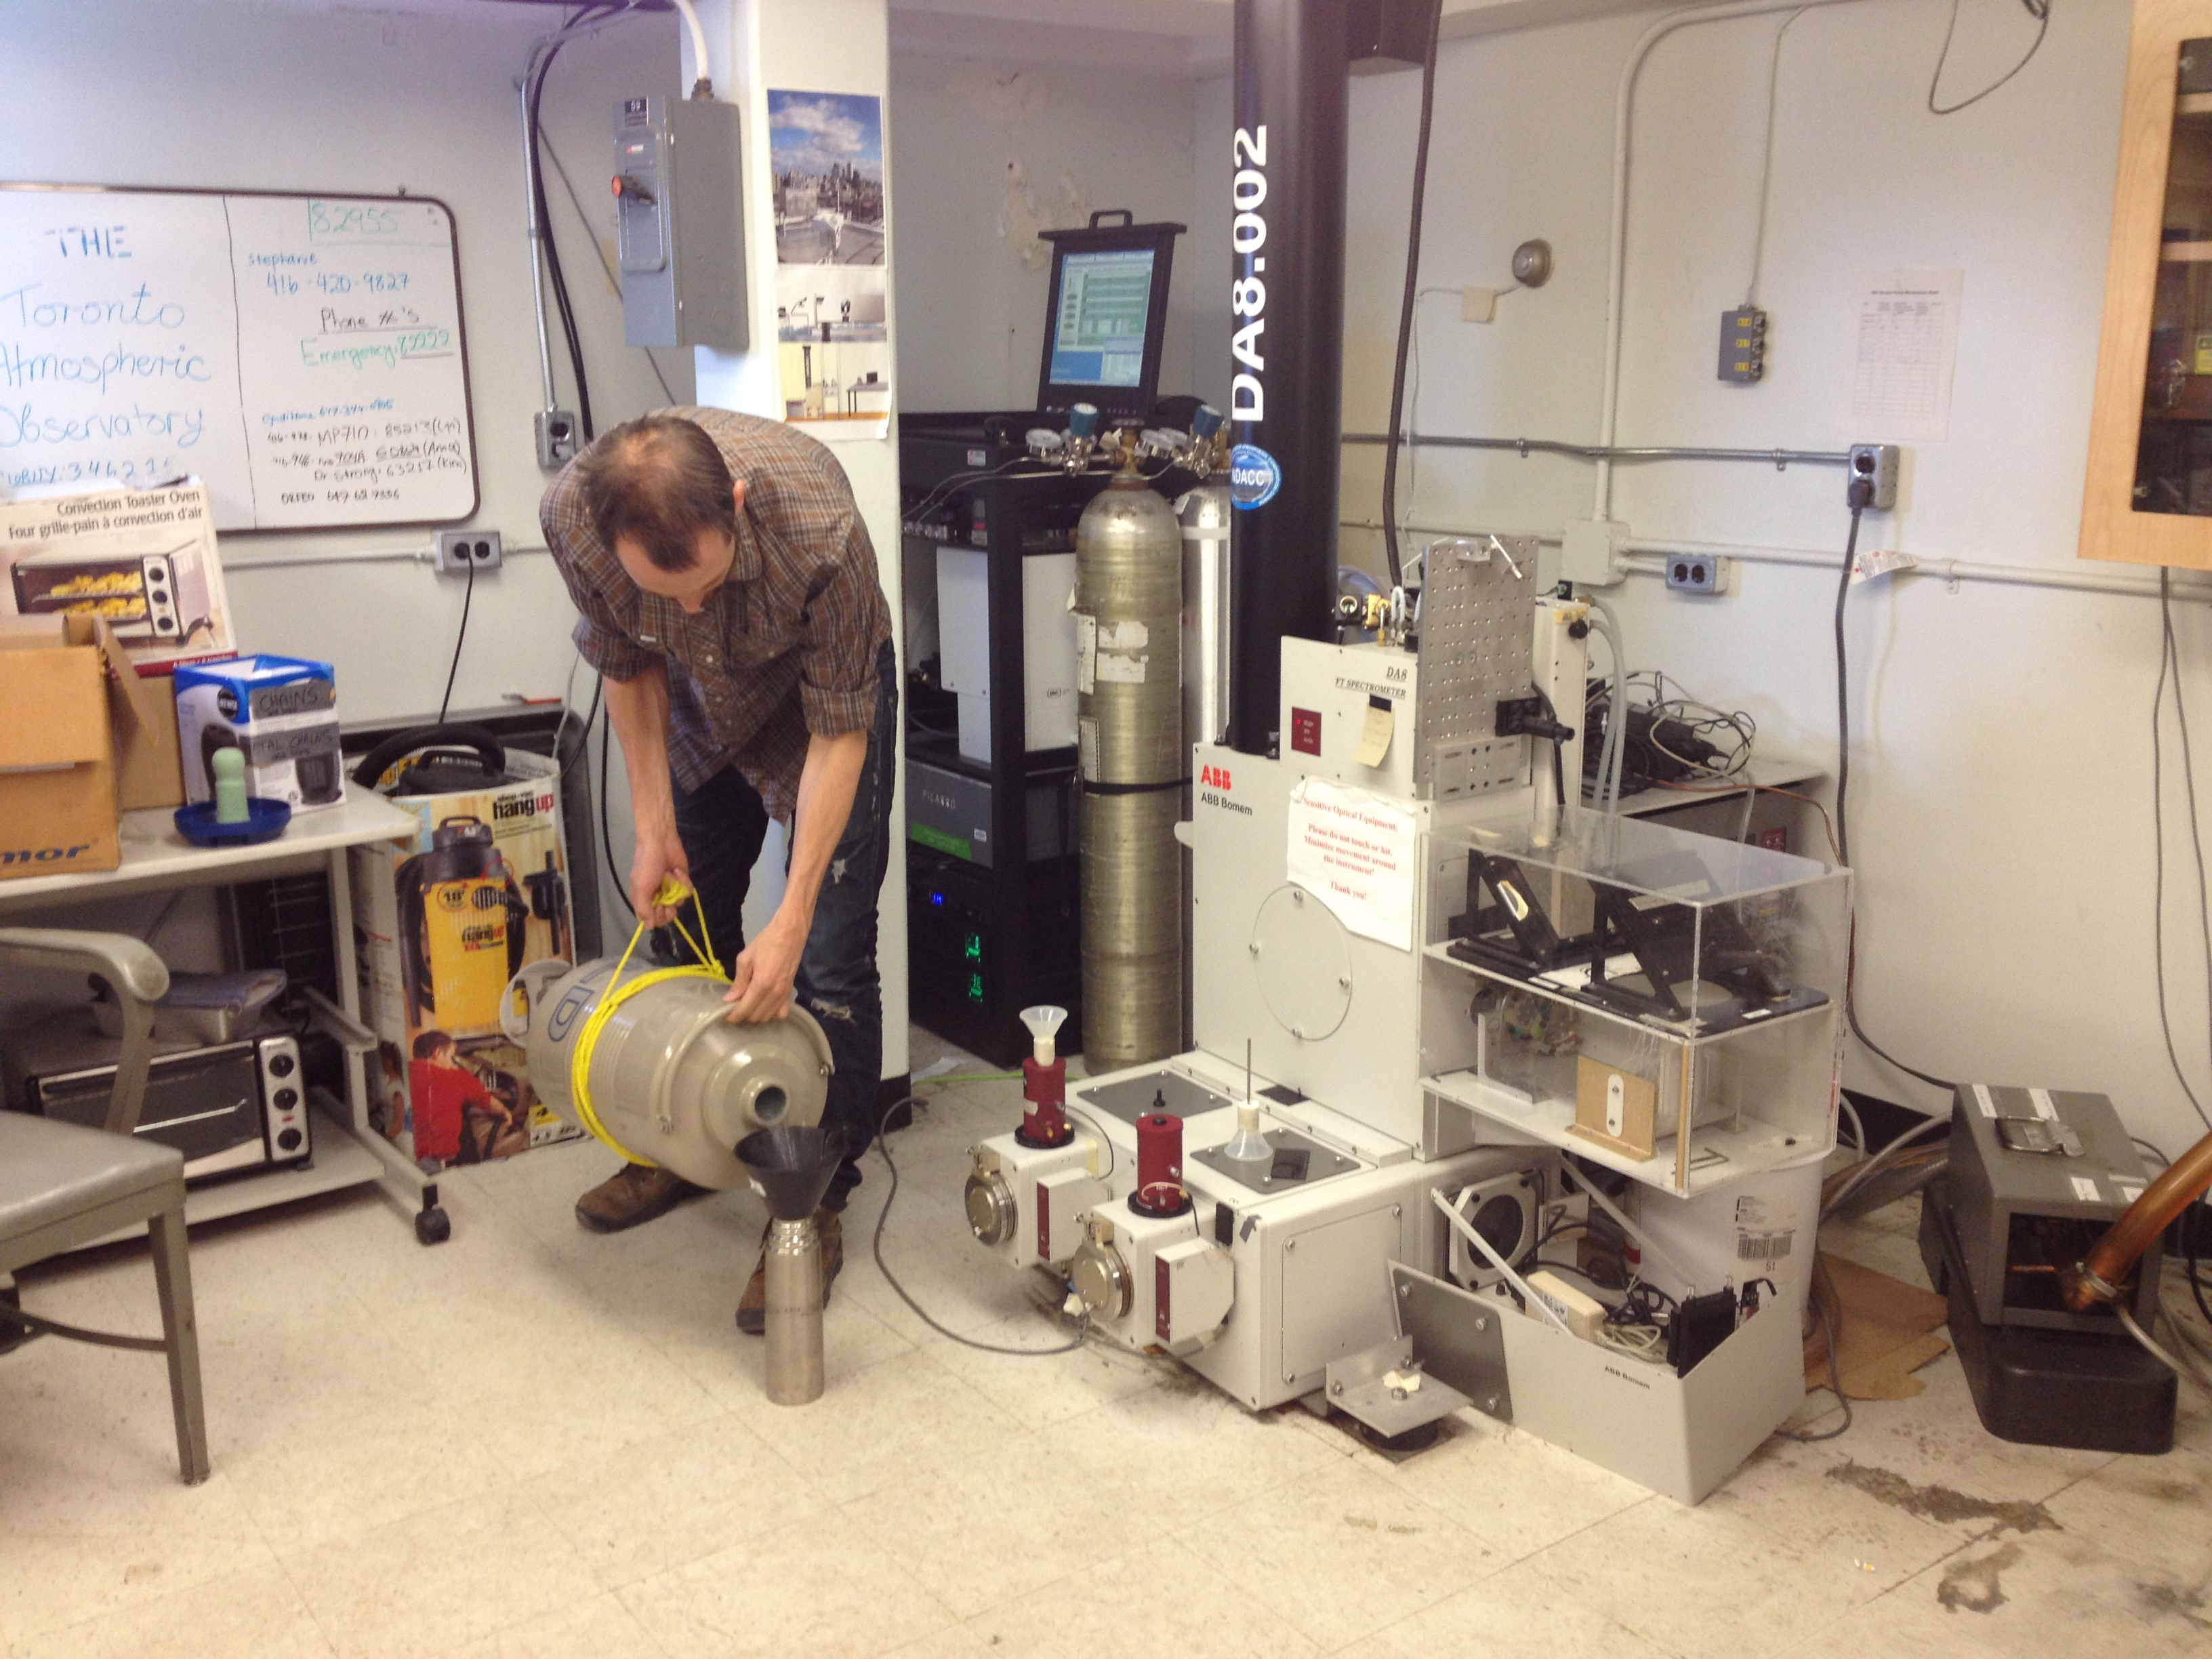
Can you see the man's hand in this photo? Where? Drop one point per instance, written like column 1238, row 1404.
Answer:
column 660, row 852
column 767, row 969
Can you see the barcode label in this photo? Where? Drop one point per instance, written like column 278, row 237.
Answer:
column 2040, row 1099
column 1982, row 1099
column 1763, row 1247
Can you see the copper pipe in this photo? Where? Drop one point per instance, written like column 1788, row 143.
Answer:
column 2099, row 1278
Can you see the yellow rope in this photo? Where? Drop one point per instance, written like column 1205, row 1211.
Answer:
column 670, row 892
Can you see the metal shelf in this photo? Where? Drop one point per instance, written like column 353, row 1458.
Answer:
column 1720, row 1155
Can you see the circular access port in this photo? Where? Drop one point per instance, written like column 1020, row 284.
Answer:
column 990, row 1208
column 770, row 1104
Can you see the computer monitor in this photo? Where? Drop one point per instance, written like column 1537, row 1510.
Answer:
column 1107, row 317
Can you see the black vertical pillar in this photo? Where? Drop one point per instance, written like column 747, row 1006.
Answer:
column 1287, row 191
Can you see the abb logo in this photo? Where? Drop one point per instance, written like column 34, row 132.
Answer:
column 1214, row 777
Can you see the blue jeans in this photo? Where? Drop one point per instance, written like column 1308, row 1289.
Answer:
column 722, row 825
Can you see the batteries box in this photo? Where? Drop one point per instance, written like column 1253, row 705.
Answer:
column 280, row 713
column 444, row 920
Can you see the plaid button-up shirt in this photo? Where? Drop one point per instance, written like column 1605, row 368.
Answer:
column 788, row 645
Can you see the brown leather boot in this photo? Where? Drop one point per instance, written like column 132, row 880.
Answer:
column 635, row 1193
column 752, row 1306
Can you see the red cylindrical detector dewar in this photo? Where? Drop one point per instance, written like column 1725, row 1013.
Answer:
column 1045, row 1088
column 1159, row 1167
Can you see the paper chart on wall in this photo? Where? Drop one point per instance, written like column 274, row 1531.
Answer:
column 1356, row 852
column 1905, row 342
column 832, row 321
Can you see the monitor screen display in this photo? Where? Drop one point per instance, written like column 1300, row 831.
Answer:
column 1098, row 338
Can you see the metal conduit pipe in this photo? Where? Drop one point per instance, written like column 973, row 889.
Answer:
column 1648, row 559
column 1779, row 459
column 364, row 555
column 1617, row 264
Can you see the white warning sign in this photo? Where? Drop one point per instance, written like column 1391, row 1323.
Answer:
column 1356, row 852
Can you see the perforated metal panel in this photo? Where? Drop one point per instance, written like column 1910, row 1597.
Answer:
column 1474, row 648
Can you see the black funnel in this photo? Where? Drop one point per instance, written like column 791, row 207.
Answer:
column 792, row 1167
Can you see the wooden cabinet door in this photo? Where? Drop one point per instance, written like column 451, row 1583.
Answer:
column 2147, row 497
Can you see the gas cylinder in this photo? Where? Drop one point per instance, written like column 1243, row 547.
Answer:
column 670, row 1081
column 1133, row 758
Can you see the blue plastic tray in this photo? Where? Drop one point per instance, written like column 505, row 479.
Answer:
column 264, row 821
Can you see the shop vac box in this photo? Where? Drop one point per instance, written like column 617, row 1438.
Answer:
column 442, row 921
column 280, row 713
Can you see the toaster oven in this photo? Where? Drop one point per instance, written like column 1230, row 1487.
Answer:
column 226, row 1106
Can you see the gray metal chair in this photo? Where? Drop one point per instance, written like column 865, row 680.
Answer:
column 63, row 1185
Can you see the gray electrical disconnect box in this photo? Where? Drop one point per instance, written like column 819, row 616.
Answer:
column 679, row 222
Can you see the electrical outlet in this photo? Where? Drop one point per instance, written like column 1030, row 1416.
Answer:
column 1697, row 572
column 559, row 437
column 459, row 551
column 1743, row 345
column 1876, row 464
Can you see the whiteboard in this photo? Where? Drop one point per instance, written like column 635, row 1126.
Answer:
column 302, row 354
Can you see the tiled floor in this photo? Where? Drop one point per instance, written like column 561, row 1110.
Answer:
column 532, row 1441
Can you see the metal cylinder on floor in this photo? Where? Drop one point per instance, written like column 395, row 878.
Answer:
column 1128, row 606
column 793, row 1313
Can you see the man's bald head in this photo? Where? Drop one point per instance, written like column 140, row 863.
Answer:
column 659, row 481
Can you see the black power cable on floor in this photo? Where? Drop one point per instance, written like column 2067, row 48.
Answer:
column 1862, row 492
column 1406, row 306
column 883, row 1148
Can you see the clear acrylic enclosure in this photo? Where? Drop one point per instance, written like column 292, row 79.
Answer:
column 1664, row 1003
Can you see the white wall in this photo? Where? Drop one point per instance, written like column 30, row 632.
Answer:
column 992, row 152
column 217, row 93
column 2000, row 783
column 288, row 97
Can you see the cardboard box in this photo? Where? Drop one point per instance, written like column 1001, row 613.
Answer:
column 443, row 920
column 57, row 814
column 280, row 712
column 141, row 719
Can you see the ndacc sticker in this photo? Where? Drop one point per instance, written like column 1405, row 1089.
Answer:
column 1254, row 478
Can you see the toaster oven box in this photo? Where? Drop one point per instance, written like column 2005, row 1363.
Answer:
column 142, row 561
column 280, row 712
column 442, row 922
column 82, row 740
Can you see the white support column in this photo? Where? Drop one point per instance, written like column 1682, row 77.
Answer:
column 810, row 45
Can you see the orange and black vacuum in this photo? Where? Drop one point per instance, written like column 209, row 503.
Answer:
column 464, row 924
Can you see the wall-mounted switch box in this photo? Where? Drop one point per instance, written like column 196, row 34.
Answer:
column 679, row 222
column 1743, row 345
